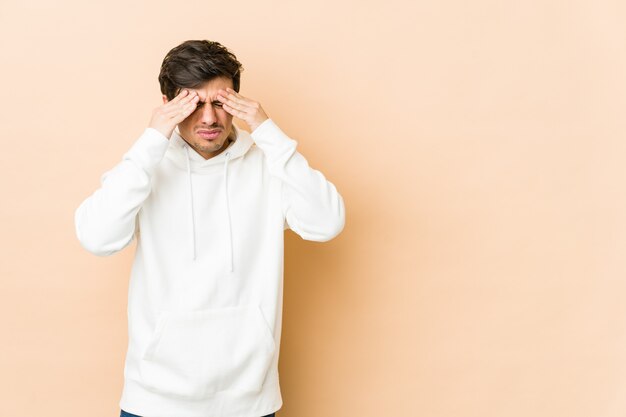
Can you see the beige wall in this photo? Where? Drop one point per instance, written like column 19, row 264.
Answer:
column 479, row 147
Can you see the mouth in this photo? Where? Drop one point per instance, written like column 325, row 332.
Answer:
column 209, row 134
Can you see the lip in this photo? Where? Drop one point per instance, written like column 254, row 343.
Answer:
column 209, row 134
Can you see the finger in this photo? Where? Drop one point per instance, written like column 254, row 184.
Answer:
column 192, row 97
column 189, row 106
column 234, row 97
column 181, row 109
column 242, row 106
column 181, row 94
column 237, row 96
column 235, row 112
column 184, row 94
column 232, row 104
column 191, row 94
column 184, row 113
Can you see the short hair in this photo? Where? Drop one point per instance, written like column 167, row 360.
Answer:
column 194, row 62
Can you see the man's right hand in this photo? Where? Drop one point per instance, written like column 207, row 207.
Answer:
column 171, row 113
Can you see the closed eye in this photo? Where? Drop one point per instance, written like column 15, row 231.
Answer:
column 215, row 103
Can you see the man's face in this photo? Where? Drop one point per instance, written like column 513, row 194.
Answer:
column 208, row 116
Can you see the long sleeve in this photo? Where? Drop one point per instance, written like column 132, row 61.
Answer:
column 105, row 221
column 311, row 204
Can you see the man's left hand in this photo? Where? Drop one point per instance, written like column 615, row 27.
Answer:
column 249, row 111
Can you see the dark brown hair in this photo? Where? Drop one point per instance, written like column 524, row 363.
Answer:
column 194, row 62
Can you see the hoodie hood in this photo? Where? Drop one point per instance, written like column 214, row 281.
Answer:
column 186, row 158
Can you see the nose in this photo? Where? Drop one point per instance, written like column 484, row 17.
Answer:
column 208, row 115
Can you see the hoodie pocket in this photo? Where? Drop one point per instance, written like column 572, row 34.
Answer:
column 194, row 354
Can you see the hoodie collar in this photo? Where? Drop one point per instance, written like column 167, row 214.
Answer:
column 185, row 157
column 243, row 141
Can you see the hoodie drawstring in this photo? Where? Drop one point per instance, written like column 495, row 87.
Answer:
column 193, row 225
column 230, row 230
column 192, row 221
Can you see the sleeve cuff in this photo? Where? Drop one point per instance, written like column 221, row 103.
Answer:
column 148, row 149
column 271, row 139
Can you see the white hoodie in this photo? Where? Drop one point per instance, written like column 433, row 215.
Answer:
column 206, row 286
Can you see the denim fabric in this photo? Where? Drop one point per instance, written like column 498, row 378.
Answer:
column 125, row 414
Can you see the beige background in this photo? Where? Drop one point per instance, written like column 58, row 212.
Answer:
column 479, row 147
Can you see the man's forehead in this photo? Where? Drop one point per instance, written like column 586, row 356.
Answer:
column 210, row 88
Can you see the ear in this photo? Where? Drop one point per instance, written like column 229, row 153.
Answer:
column 164, row 99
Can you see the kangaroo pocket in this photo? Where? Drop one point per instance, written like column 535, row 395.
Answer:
column 194, row 354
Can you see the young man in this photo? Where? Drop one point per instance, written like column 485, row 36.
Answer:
column 208, row 204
